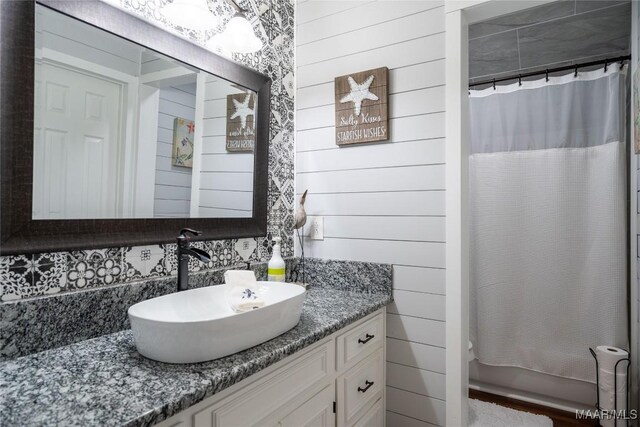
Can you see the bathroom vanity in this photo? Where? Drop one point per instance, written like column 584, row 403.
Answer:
column 335, row 354
column 338, row 381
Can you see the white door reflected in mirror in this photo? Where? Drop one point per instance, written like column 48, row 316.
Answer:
column 125, row 132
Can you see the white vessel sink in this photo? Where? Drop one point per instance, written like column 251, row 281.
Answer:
column 198, row 325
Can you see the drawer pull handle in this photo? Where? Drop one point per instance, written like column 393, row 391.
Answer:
column 367, row 339
column 367, row 386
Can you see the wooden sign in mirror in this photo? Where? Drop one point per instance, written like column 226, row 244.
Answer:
column 241, row 135
column 361, row 104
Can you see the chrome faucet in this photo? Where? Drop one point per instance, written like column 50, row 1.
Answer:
column 184, row 251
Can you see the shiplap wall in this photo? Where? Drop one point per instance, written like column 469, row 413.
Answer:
column 71, row 37
column 226, row 178
column 383, row 202
column 173, row 183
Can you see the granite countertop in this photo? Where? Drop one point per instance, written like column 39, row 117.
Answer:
column 104, row 381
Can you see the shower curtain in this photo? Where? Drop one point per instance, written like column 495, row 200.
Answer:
column 548, row 222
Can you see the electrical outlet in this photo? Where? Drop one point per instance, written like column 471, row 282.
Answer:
column 316, row 228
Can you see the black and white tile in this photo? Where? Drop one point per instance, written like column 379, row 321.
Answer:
column 28, row 276
column 43, row 274
column 94, row 268
column 143, row 262
column 224, row 254
column 16, row 276
column 246, row 249
column 49, row 273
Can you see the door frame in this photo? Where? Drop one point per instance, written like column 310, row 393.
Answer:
column 458, row 15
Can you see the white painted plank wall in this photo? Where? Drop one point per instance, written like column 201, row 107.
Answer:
column 71, row 37
column 383, row 202
column 173, row 183
column 226, row 179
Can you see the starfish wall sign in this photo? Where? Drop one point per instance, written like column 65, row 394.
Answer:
column 241, row 112
column 362, row 107
column 359, row 92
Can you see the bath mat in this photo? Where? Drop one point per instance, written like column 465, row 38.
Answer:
column 485, row 414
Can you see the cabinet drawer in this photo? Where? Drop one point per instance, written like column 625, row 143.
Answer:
column 360, row 387
column 360, row 341
column 374, row 417
column 279, row 388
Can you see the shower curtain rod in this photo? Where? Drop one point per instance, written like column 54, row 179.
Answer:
column 575, row 67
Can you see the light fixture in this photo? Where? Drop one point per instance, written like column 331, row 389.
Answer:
column 193, row 14
column 237, row 37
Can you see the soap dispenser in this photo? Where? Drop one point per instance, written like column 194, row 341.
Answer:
column 276, row 268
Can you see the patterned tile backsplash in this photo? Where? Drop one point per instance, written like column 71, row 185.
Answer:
column 32, row 325
column 28, row 276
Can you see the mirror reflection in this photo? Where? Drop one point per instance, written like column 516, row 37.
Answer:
column 121, row 131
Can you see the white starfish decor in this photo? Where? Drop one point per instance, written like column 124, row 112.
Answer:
column 359, row 92
column 242, row 110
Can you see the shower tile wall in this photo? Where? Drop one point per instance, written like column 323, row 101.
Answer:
column 28, row 276
column 552, row 35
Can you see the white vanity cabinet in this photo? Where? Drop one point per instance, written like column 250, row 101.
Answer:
column 338, row 381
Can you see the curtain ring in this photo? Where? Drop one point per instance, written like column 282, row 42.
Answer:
column 494, row 84
column 547, row 74
column 519, row 79
column 575, row 74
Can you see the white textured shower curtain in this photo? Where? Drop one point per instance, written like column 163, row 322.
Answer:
column 548, row 222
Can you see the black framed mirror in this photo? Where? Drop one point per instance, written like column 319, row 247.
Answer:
column 124, row 144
